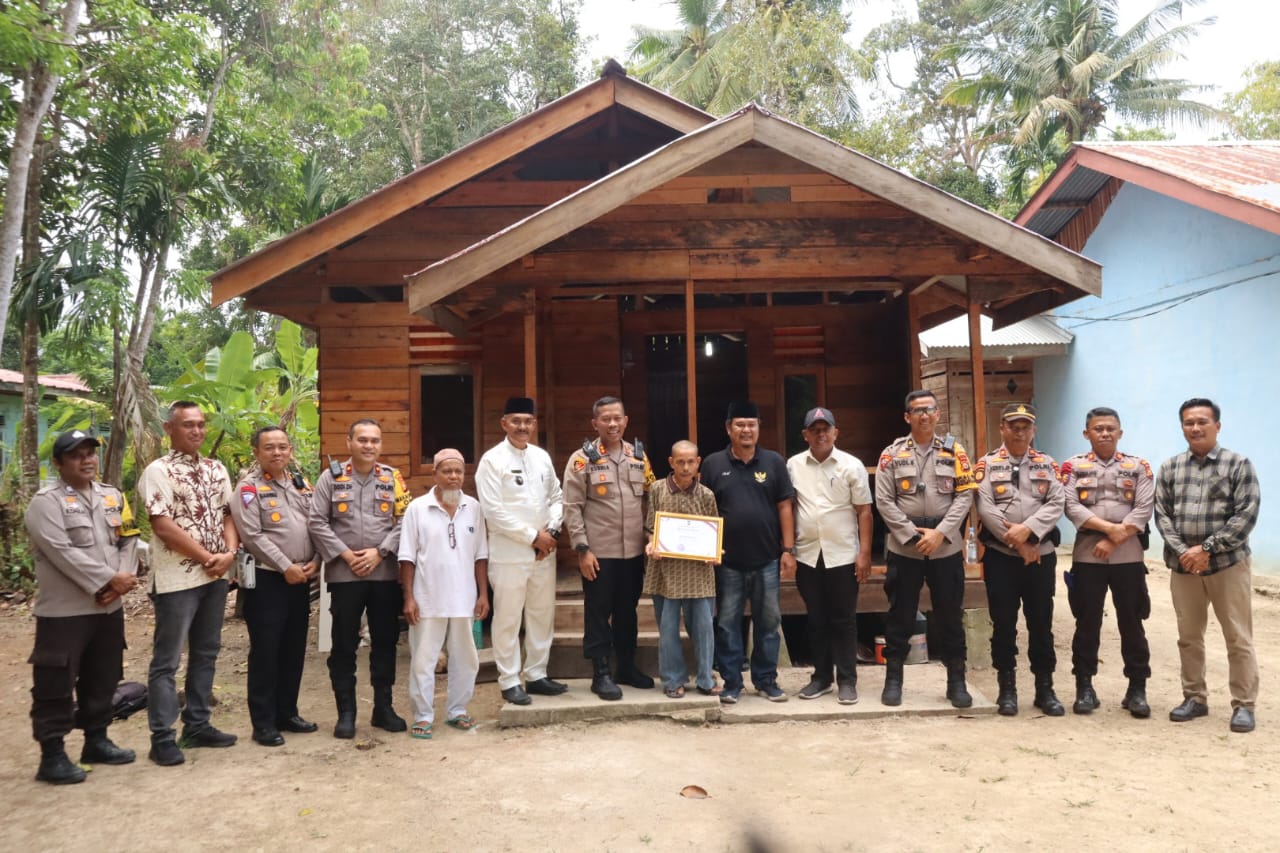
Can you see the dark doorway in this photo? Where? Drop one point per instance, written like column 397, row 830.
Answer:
column 722, row 378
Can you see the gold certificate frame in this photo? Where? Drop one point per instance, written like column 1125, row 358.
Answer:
column 688, row 537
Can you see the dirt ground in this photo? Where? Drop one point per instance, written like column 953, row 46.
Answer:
column 983, row 783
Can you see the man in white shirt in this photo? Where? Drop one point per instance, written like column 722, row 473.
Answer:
column 833, row 545
column 444, row 574
column 520, row 495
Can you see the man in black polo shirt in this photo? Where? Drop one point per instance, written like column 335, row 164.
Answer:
column 754, row 495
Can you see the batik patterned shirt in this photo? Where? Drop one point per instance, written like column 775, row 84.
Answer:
column 196, row 494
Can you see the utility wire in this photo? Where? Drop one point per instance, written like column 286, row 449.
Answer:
column 1164, row 305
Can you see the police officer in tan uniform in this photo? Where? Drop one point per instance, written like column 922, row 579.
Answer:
column 355, row 524
column 1020, row 500
column 604, row 490
column 85, row 544
column 1110, row 498
column 924, row 490
column 270, row 511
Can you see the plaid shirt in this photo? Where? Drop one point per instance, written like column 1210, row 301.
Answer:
column 1215, row 498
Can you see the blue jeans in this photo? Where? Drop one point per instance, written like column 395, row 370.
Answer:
column 194, row 616
column 697, row 621
column 734, row 589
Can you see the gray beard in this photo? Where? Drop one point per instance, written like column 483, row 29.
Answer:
column 450, row 497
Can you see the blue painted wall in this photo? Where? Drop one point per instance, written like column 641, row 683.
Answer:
column 1201, row 294
column 11, row 412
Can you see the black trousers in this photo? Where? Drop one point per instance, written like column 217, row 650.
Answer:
column 77, row 663
column 831, row 606
column 1012, row 584
column 382, row 601
column 1129, row 597
column 609, row 609
column 945, row 577
column 276, row 614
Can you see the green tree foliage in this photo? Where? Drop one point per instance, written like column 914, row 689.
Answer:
column 1066, row 65
column 1255, row 110
column 789, row 56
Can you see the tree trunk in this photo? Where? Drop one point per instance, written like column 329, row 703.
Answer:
column 29, row 432
column 40, row 84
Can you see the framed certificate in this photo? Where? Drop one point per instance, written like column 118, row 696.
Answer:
column 688, row 537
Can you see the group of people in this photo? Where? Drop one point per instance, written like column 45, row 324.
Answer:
column 433, row 560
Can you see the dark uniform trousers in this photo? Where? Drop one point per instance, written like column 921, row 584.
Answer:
column 1088, row 593
column 614, row 594
column 831, row 606
column 80, row 654
column 382, row 600
column 276, row 613
column 1012, row 584
column 945, row 577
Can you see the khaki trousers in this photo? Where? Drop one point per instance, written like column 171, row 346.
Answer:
column 1230, row 591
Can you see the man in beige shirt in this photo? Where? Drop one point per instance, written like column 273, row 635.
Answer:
column 833, row 552
column 188, row 500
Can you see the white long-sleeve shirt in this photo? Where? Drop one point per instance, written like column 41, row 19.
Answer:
column 520, row 495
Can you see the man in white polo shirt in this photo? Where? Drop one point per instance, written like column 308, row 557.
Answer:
column 444, row 559
column 833, row 552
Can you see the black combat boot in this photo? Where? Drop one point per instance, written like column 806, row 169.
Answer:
column 55, row 767
column 1007, row 701
column 98, row 749
column 384, row 716
column 346, row 725
column 892, row 693
column 957, row 693
column 1135, row 699
column 1046, row 700
column 602, row 683
column 1086, row 700
column 631, row 675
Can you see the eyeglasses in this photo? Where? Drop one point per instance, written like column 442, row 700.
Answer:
column 923, row 410
column 453, row 537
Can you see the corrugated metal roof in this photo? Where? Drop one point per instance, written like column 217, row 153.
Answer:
column 1249, row 171
column 1075, row 192
column 1039, row 335
column 59, row 381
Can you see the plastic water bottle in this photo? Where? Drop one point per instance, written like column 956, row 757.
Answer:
column 971, row 546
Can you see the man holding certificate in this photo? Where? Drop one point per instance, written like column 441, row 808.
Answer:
column 833, row 537
column 754, row 495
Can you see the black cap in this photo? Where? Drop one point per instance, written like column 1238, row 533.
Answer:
column 819, row 414
column 1018, row 412
column 71, row 439
column 519, row 406
column 742, row 409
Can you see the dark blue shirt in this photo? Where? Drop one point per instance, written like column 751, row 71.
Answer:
column 747, row 495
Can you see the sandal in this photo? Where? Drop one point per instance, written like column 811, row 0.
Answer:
column 465, row 723
column 674, row 692
column 713, row 690
column 422, row 731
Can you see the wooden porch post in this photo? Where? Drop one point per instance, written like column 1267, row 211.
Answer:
column 691, row 360
column 913, row 330
column 531, row 349
column 979, row 389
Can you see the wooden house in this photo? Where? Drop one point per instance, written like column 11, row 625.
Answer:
column 619, row 241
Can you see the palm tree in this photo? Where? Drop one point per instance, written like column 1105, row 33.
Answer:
column 1065, row 65
column 683, row 62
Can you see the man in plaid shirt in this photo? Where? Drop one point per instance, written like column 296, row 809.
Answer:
column 1207, row 501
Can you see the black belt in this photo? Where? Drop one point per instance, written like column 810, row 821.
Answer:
column 929, row 522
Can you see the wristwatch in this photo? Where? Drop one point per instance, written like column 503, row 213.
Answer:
column 792, row 550
column 583, row 548
column 1207, row 545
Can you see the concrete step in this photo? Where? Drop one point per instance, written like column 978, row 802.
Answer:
column 570, row 615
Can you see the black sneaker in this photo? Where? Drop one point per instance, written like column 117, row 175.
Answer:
column 814, row 689
column 208, row 736
column 166, row 753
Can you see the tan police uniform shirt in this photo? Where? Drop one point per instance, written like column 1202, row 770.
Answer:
column 81, row 541
column 1031, row 495
column 357, row 512
column 272, row 517
column 604, row 501
column 914, row 481
column 1121, row 489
